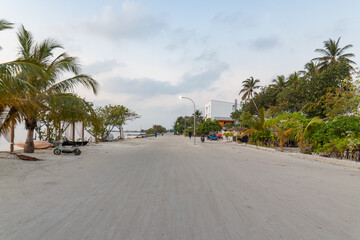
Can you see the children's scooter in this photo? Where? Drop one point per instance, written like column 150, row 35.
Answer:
column 59, row 150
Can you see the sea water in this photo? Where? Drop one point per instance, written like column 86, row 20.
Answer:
column 20, row 136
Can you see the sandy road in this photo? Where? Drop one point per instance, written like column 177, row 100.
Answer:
column 167, row 188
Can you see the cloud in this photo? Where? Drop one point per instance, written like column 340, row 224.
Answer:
column 145, row 87
column 264, row 43
column 130, row 22
column 180, row 37
column 207, row 56
column 236, row 19
column 102, row 66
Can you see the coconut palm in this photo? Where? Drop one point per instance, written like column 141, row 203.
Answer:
column 333, row 53
column 198, row 116
column 279, row 83
column 294, row 80
column 46, row 87
column 248, row 90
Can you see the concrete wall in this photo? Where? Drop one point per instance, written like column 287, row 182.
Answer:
column 218, row 109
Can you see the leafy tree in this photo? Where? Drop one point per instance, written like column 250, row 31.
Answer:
column 69, row 108
column 339, row 127
column 209, row 126
column 105, row 119
column 156, row 128
column 236, row 114
column 246, row 120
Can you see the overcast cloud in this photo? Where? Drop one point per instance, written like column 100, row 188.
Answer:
column 146, row 53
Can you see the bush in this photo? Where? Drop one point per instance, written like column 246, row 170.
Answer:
column 336, row 128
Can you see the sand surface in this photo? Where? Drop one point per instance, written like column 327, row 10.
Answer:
column 167, row 188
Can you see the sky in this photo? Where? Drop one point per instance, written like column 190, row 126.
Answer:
column 145, row 54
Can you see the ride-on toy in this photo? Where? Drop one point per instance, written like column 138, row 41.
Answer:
column 59, row 150
column 213, row 137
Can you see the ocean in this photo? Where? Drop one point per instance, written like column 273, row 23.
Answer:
column 20, row 136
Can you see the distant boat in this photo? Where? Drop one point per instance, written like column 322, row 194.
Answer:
column 37, row 144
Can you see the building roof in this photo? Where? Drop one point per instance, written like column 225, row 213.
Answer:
column 221, row 101
column 224, row 118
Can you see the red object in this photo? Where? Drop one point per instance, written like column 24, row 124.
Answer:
column 219, row 135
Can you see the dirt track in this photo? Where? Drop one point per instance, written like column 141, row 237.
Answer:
column 167, row 188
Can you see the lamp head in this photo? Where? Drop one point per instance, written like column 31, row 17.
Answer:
column 180, row 97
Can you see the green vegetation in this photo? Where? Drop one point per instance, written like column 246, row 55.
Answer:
column 208, row 126
column 32, row 90
column 156, row 128
column 184, row 124
column 316, row 109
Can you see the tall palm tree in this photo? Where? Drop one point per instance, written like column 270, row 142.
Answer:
column 46, row 87
column 279, row 83
column 333, row 53
column 249, row 87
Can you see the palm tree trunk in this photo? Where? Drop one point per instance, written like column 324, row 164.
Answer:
column 255, row 106
column 83, row 132
column 73, row 131
column 48, row 130
column 12, row 137
column 29, row 143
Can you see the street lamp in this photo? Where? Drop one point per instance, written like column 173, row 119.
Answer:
column 194, row 115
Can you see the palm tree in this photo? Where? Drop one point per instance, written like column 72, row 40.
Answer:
column 198, row 116
column 5, row 25
column 46, row 87
column 249, row 87
column 310, row 68
column 332, row 53
column 294, row 80
column 256, row 123
column 280, row 83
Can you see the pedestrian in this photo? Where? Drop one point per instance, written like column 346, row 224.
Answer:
column 190, row 135
column 155, row 133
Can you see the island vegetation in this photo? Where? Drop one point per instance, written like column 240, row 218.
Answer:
column 33, row 91
column 315, row 109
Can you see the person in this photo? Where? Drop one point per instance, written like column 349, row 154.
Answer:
column 190, row 135
column 155, row 133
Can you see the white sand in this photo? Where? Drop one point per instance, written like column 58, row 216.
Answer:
column 167, row 188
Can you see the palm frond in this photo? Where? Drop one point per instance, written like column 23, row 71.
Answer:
column 4, row 24
column 70, row 83
column 26, row 41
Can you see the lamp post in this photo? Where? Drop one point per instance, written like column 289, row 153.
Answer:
column 194, row 115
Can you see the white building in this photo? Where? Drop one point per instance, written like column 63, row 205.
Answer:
column 220, row 110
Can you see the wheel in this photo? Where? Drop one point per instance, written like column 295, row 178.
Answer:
column 77, row 151
column 57, row 151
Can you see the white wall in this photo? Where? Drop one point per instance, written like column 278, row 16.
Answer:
column 218, row 109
